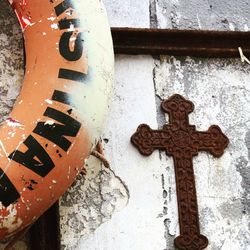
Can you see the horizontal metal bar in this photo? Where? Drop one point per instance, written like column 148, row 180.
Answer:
column 198, row 43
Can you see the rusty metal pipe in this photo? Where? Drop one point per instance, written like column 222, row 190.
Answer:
column 198, row 43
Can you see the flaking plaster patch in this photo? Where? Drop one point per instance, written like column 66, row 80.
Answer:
column 90, row 201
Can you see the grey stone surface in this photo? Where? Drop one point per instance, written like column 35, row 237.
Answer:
column 202, row 14
column 11, row 59
column 130, row 13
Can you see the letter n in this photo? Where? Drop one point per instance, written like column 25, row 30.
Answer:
column 56, row 132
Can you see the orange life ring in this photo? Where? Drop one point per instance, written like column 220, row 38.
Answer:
column 58, row 116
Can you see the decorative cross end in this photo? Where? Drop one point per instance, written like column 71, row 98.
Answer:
column 177, row 103
column 213, row 141
column 197, row 242
column 145, row 138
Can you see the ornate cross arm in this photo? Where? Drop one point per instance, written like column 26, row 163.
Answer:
column 213, row 141
column 147, row 139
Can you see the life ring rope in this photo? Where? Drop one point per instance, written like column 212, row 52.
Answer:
column 99, row 154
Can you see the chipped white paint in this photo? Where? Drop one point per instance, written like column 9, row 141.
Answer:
column 49, row 122
column 10, row 221
column 13, row 123
column 51, row 18
column 49, row 101
column 54, row 26
column 26, row 21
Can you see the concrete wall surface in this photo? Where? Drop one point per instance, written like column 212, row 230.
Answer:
column 132, row 205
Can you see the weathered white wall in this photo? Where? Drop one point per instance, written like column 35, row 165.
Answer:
column 133, row 206
column 202, row 14
column 133, row 103
column 130, row 13
column 219, row 90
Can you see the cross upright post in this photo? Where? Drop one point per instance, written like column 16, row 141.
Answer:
column 180, row 140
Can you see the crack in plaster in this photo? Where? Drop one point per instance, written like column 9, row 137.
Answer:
column 242, row 166
column 90, row 202
column 153, row 14
column 161, row 120
column 247, row 140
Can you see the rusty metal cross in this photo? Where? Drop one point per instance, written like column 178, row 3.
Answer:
column 180, row 140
